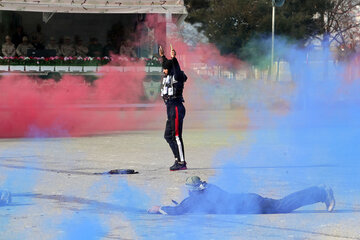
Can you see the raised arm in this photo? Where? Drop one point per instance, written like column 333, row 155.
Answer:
column 182, row 208
column 162, row 55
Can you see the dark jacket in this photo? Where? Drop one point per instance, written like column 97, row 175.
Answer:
column 214, row 200
column 179, row 77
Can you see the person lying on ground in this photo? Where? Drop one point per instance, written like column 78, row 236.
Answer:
column 207, row 198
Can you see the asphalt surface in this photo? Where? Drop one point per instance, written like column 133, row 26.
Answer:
column 57, row 195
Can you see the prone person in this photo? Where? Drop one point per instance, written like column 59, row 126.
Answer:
column 207, row 198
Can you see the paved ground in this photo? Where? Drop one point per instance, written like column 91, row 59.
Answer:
column 57, row 196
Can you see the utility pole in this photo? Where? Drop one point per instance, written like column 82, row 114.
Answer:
column 275, row 3
column 272, row 38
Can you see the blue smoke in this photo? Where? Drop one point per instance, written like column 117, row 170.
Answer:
column 82, row 226
column 315, row 142
column 114, row 196
column 311, row 144
column 19, row 179
column 21, row 164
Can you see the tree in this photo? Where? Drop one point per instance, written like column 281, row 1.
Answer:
column 228, row 23
column 299, row 19
column 231, row 24
column 341, row 23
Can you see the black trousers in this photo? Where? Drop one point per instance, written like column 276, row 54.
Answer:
column 173, row 130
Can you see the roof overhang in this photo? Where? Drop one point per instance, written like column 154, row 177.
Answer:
column 96, row 6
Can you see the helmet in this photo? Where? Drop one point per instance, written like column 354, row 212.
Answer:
column 194, row 183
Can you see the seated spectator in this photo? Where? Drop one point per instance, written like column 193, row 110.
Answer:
column 81, row 50
column 23, row 47
column 95, row 48
column 127, row 49
column 109, row 48
column 18, row 36
column 52, row 45
column 8, row 48
column 67, row 49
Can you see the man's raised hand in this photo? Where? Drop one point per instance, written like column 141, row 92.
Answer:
column 161, row 51
column 173, row 53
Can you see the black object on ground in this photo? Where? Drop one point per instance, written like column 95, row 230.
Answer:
column 122, row 171
column 118, row 171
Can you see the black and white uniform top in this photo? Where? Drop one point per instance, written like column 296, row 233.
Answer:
column 169, row 89
column 173, row 84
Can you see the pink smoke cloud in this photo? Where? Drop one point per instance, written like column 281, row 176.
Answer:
column 70, row 107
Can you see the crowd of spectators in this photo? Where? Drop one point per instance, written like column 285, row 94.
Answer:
column 19, row 43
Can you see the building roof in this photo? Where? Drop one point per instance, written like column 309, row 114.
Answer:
column 95, row 6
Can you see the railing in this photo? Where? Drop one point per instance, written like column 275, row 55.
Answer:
column 75, row 69
column 77, row 64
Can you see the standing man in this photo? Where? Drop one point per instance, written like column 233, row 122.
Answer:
column 171, row 92
column 18, row 36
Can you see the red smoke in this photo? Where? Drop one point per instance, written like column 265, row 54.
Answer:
column 71, row 107
column 31, row 107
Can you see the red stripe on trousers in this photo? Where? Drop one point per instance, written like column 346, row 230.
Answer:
column 176, row 122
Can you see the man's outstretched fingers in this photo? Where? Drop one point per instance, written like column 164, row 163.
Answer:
column 161, row 51
column 154, row 209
